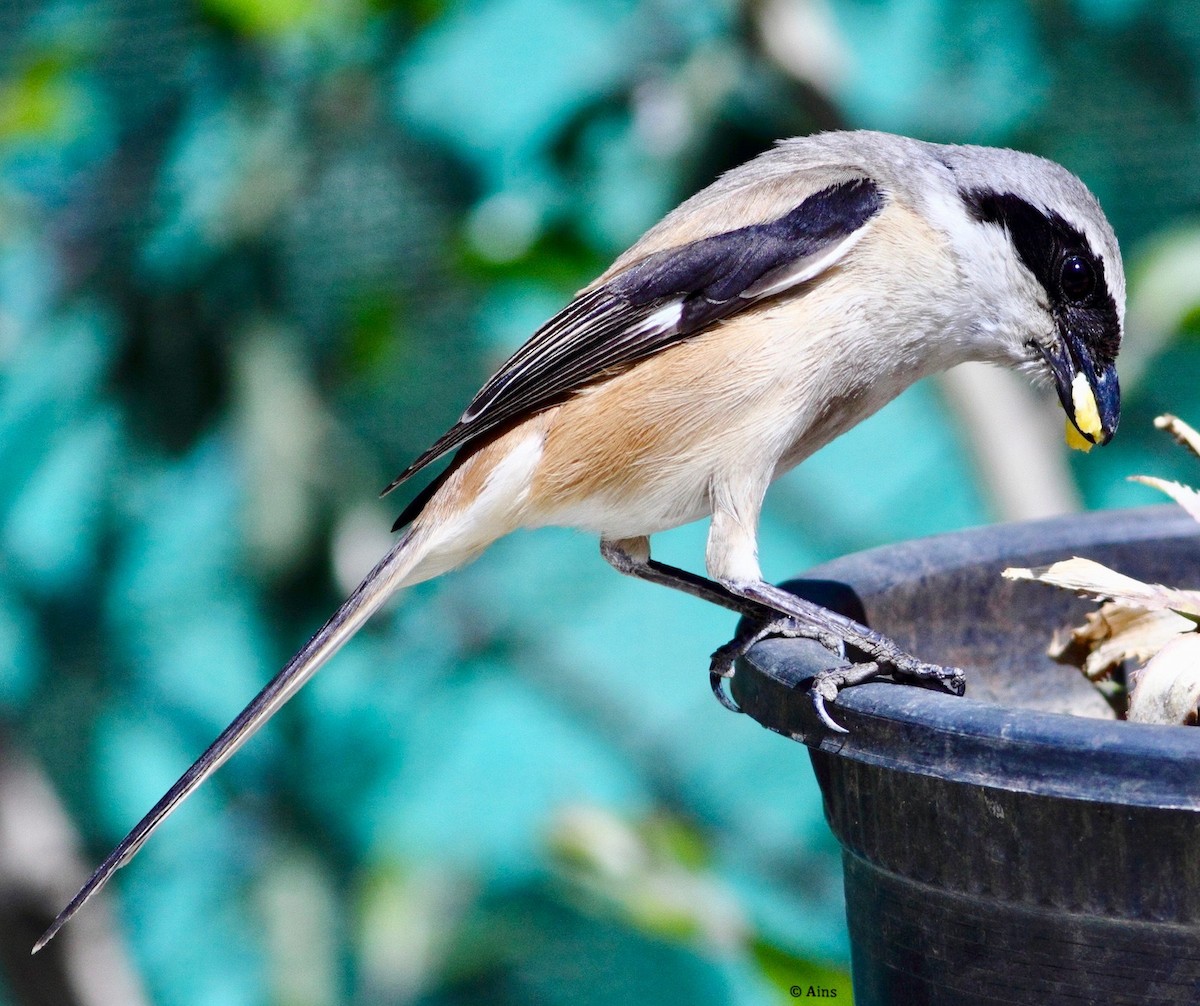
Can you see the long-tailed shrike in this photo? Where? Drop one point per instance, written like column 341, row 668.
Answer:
column 753, row 324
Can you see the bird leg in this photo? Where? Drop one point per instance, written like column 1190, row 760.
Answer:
column 826, row 626
column 776, row 612
column 631, row 556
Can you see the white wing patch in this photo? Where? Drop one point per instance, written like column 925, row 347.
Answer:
column 662, row 320
column 800, row 271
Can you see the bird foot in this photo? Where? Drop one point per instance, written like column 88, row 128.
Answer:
column 783, row 627
column 889, row 663
column 721, row 666
column 900, row 668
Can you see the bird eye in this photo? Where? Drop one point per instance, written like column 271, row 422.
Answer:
column 1078, row 279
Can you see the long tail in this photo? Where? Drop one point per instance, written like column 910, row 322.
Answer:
column 377, row 587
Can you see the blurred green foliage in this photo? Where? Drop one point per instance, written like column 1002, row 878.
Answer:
column 255, row 255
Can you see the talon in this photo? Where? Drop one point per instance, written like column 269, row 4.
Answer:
column 953, row 679
column 724, row 657
column 833, row 643
column 717, row 683
column 824, row 688
column 888, row 660
column 955, row 682
column 826, row 685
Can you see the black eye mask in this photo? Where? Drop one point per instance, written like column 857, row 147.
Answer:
column 1061, row 259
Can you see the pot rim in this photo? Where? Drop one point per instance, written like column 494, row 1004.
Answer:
column 933, row 733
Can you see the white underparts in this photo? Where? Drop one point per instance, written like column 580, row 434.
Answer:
column 459, row 529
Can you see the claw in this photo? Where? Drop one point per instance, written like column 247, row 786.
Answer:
column 888, row 661
column 956, row 683
column 724, row 657
column 825, row 689
column 827, row 684
column 950, row 678
column 717, row 682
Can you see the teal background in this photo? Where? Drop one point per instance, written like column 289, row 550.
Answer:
column 254, row 256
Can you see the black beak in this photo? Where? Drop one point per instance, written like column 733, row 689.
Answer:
column 1070, row 357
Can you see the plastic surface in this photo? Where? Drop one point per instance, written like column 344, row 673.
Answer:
column 999, row 849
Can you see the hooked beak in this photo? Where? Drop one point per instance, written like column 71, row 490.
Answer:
column 1089, row 393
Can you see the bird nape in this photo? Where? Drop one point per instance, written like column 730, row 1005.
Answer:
column 757, row 321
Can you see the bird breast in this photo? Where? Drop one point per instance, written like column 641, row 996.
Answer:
column 643, row 451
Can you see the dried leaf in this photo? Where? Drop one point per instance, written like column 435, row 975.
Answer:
column 1180, row 430
column 1167, row 689
column 1143, row 623
column 1185, row 496
column 1117, row 632
column 1085, row 576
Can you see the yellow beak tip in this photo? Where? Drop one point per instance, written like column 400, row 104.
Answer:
column 1076, row 440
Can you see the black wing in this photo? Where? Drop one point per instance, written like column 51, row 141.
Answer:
column 659, row 301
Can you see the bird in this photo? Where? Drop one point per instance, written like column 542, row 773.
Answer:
column 761, row 318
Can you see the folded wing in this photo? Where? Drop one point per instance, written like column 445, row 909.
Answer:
column 657, row 301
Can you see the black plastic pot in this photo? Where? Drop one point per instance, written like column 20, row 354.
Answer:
column 997, row 848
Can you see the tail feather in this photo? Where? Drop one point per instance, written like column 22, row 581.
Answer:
column 387, row 576
column 477, row 502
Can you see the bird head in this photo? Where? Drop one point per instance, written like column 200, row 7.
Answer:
column 1044, row 259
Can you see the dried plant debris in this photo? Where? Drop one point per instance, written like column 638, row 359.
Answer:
column 1150, row 631
column 1167, row 688
column 1185, row 496
column 1180, row 430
